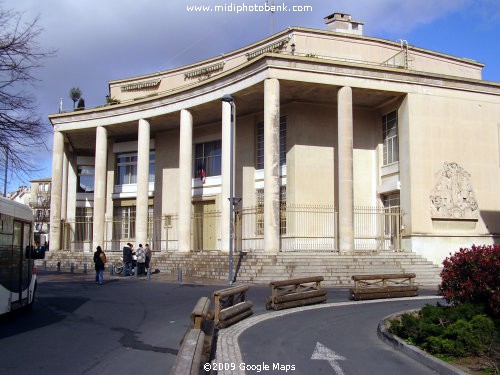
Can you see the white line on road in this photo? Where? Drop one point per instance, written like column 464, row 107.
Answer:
column 323, row 353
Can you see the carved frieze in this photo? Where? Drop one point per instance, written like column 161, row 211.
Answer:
column 453, row 196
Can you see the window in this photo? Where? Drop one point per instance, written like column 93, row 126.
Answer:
column 150, row 222
column 124, row 222
column 390, row 138
column 83, row 224
column 391, row 208
column 260, row 143
column 151, row 177
column 85, row 182
column 260, row 211
column 126, row 168
column 208, row 158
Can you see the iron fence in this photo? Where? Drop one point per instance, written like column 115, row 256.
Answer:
column 302, row 228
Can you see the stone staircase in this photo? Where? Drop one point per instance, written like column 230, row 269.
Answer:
column 262, row 268
column 336, row 269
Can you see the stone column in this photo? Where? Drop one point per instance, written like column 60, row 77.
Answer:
column 185, row 180
column 71, row 197
column 225, row 176
column 141, row 210
column 345, row 156
column 101, row 154
column 110, row 185
column 271, row 165
column 56, row 191
column 64, row 192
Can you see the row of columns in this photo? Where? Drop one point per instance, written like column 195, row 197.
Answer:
column 271, row 176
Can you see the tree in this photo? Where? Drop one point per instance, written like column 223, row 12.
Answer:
column 75, row 93
column 21, row 128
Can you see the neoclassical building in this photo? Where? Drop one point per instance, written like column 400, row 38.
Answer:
column 325, row 140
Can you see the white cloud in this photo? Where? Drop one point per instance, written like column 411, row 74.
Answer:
column 98, row 41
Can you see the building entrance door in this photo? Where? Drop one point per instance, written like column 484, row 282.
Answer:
column 204, row 225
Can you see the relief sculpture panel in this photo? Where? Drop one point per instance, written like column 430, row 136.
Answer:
column 453, row 196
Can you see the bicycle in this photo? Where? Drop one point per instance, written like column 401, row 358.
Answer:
column 118, row 267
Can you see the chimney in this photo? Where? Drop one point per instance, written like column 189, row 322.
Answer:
column 343, row 23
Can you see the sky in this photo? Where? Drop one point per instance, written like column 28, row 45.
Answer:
column 97, row 41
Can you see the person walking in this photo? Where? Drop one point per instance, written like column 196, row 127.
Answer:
column 149, row 254
column 99, row 262
column 141, row 259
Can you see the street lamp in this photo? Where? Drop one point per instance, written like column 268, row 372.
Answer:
column 229, row 99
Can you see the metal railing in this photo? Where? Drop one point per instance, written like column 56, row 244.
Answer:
column 302, row 228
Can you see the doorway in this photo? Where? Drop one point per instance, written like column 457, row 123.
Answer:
column 204, row 225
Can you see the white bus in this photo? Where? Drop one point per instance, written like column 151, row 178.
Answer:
column 17, row 270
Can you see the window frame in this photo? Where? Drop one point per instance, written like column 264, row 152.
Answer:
column 130, row 166
column 390, row 138
column 259, row 143
column 208, row 162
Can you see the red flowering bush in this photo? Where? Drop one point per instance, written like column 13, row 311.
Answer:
column 473, row 275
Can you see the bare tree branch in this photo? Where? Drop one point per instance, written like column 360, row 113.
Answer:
column 21, row 127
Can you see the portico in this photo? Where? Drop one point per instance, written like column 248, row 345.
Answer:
column 107, row 136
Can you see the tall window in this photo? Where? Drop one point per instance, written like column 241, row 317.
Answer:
column 126, row 168
column 208, row 158
column 83, row 224
column 391, row 206
column 151, row 177
column 260, row 143
column 390, row 137
column 124, row 222
column 85, row 179
column 259, row 225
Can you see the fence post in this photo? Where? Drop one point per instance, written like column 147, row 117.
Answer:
column 58, row 266
column 45, row 265
column 72, row 268
column 148, row 274
column 85, row 268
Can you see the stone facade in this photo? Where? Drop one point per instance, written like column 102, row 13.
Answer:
column 323, row 120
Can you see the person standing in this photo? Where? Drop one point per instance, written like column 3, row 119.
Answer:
column 149, row 254
column 99, row 262
column 127, row 260
column 141, row 259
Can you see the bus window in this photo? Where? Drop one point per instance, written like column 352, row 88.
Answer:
column 26, row 266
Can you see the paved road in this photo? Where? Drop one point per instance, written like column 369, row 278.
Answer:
column 126, row 326
column 337, row 340
column 134, row 326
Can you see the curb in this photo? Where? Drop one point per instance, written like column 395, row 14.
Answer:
column 412, row 351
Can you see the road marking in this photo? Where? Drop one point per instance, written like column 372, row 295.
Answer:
column 323, row 353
